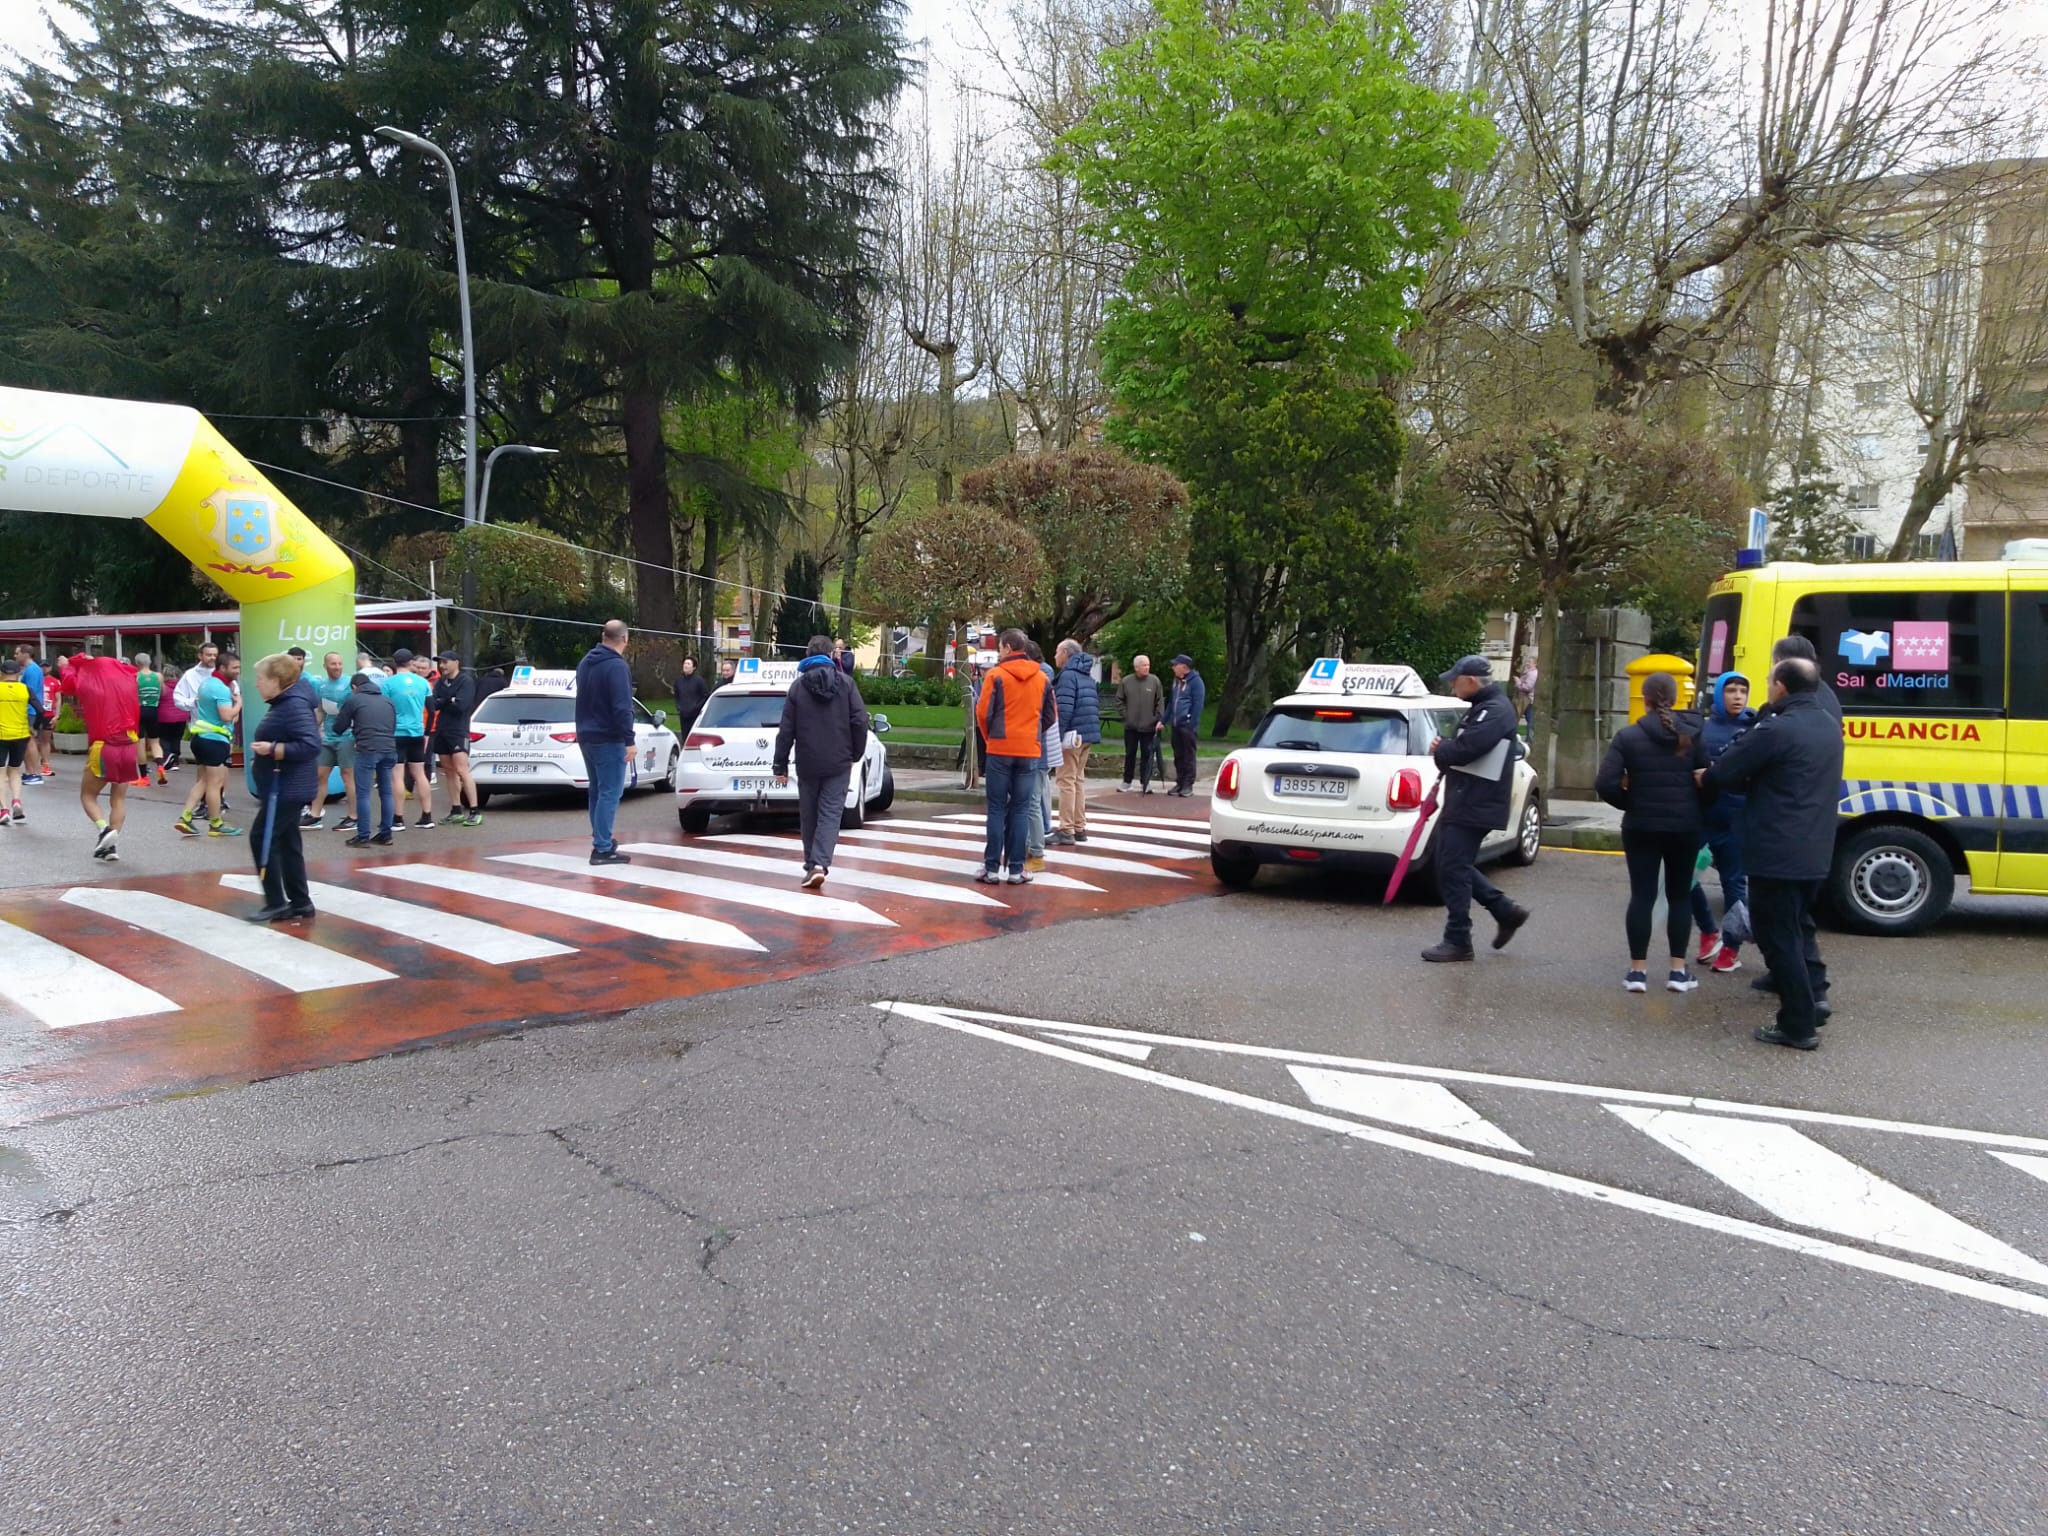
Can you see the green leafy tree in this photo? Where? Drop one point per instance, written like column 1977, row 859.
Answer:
column 1114, row 532
column 1274, row 178
column 522, row 573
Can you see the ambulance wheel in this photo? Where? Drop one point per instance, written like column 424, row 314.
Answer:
column 1890, row 880
column 695, row 819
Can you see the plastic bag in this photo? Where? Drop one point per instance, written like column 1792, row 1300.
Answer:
column 1735, row 925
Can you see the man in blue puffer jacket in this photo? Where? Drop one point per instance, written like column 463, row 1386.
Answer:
column 1730, row 718
column 1080, row 710
column 285, row 751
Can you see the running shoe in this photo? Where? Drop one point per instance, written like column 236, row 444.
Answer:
column 107, row 838
column 31, row 778
column 346, row 824
column 311, row 823
column 476, row 818
column 163, row 776
column 1710, row 946
column 813, row 879
column 1636, row 981
column 222, row 829
column 1681, row 981
column 6, row 816
column 19, row 813
column 1726, row 961
column 184, row 825
column 426, row 821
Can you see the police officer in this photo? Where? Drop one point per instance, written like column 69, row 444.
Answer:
column 1474, row 804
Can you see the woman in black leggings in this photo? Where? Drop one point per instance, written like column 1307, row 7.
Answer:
column 1648, row 773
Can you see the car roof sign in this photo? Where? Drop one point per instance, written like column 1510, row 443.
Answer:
column 537, row 680
column 752, row 671
column 1346, row 678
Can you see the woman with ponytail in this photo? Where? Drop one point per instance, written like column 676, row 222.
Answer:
column 1648, row 775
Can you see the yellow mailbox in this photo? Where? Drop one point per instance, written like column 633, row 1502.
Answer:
column 1677, row 666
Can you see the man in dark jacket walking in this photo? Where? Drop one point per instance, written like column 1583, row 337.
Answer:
column 691, row 694
column 1474, row 804
column 1790, row 764
column 825, row 726
column 370, row 720
column 604, row 733
column 1080, row 712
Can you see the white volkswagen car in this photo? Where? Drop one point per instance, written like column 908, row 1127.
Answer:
column 729, row 759
column 1336, row 774
column 523, row 737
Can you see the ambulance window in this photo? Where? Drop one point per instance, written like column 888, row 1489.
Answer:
column 1902, row 653
column 2030, row 655
column 1718, row 633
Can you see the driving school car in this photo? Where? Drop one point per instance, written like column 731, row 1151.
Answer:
column 523, row 737
column 1336, row 774
column 728, row 760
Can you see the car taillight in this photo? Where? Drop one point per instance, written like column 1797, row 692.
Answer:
column 1405, row 793
column 476, row 735
column 561, row 735
column 703, row 739
column 1226, row 781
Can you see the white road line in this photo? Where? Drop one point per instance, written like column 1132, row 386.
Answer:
column 1112, row 844
column 66, row 990
column 929, row 861
column 1113, row 1047
column 466, row 936
column 792, row 870
column 1800, row 1181
column 792, row 903
column 1052, row 855
column 261, row 951
column 1419, row 1106
column 587, row 906
column 1125, row 828
column 2037, row 1166
column 1563, row 1183
column 1130, row 817
column 1534, row 1084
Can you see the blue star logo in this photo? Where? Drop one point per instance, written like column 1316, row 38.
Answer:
column 1865, row 648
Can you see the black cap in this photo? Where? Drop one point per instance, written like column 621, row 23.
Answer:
column 401, row 657
column 1469, row 666
column 1182, row 660
column 447, row 656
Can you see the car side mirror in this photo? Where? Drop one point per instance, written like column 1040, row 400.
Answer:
column 661, row 717
column 880, row 723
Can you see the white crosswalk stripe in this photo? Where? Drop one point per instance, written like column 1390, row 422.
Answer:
column 800, row 904
column 1420, row 1106
column 1125, row 818
column 930, row 861
column 1800, row 1181
column 466, row 936
column 1062, row 856
column 64, row 989
column 1122, row 826
column 587, row 906
column 2037, row 1166
column 1109, row 844
column 792, row 869
column 278, row 957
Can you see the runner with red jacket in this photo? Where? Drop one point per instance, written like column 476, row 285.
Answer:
column 104, row 687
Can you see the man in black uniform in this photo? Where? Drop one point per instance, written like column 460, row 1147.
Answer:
column 1790, row 765
column 1474, row 804
column 454, row 698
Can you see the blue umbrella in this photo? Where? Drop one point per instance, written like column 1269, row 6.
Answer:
column 269, row 826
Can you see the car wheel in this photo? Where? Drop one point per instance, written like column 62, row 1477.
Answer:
column 887, row 797
column 675, row 761
column 1238, row 874
column 695, row 819
column 857, row 813
column 1890, row 880
column 1528, row 834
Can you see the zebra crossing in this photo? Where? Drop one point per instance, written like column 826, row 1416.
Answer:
column 126, row 988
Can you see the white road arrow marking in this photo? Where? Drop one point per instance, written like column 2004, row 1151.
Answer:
column 792, row 903
column 465, row 936
column 586, row 906
column 792, row 870
column 2037, row 1166
column 1062, row 856
column 66, row 990
column 264, row 952
column 1798, row 1180
column 966, row 1022
column 906, row 860
column 1420, row 1106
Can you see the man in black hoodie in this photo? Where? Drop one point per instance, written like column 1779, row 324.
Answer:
column 691, row 695
column 1478, row 795
column 825, row 724
column 1791, row 765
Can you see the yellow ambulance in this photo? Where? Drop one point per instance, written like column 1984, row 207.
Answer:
column 1942, row 673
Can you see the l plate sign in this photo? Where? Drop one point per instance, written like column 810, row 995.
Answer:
column 1825, row 1205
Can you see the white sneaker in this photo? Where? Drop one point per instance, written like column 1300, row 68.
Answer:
column 1127, row 788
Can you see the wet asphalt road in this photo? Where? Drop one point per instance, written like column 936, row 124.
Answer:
column 772, row 1261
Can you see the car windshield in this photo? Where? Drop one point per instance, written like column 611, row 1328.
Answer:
column 525, row 709
column 1315, row 728
column 741, row 711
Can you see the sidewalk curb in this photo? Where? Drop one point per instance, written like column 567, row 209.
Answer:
column 1592, row 839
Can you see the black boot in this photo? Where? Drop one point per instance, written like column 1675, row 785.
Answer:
column 1445, row 952
column 1507, row 927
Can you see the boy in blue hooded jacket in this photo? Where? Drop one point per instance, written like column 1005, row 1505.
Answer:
column 1730, row 718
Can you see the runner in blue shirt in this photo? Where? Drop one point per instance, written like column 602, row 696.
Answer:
column 211, row 736
column 408, row 692
column 332, row 688
column 32, row 678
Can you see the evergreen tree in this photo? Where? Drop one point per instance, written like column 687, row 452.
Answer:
column 800, row 614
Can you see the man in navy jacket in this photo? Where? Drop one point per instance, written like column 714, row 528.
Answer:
column 604, row 734
column 1080, row 712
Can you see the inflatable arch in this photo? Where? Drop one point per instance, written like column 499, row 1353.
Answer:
column 169, row 467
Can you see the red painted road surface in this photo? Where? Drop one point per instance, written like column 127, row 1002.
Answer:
column 118, row 992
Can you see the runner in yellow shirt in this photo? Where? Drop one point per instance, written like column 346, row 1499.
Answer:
column 14, row 735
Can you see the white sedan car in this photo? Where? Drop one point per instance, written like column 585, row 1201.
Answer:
column 1336, row 774
column 523, row 737
column 729, row 759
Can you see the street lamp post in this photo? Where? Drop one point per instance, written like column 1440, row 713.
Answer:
column 483, row 500
column 428, row 146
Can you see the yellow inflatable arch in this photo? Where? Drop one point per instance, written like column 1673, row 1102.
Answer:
column 169, row 467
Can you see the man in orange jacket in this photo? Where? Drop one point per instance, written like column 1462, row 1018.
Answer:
column 1012, row 714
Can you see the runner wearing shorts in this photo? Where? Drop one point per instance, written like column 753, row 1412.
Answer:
column 332, row 687
column 32, row 679
column 408, row 693
column 14, row 737
column 171, row 720
column 211, row 739
column 104, row 687
column 149, row 689
column 454, row 699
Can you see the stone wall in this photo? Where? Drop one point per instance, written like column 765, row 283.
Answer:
column 1595, row 649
